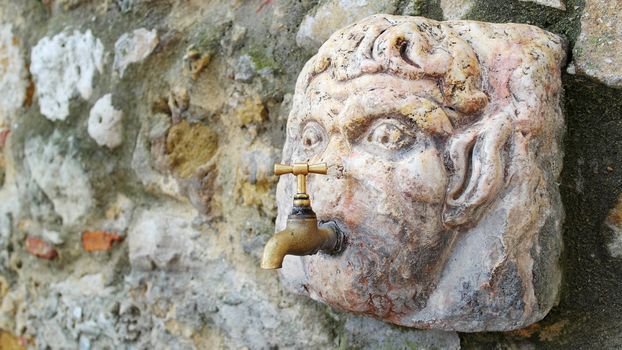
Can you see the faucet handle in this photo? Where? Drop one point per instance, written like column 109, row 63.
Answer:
column 301, row 170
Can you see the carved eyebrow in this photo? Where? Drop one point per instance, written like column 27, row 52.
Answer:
column 426, row 115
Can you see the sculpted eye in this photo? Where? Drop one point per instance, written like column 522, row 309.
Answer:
column 389, row 135
column 312, row 136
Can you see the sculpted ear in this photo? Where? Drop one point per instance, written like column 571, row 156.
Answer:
column 478, row 159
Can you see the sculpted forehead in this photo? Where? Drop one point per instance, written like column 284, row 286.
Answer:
column 340, row 105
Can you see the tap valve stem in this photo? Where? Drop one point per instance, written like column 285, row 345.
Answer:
column 301, row 170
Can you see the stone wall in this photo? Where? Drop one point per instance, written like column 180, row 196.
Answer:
column 137, row 139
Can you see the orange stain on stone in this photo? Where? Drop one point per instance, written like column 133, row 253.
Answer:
column 10, row 342
column 97, row 241
column 40, row 248
column 615, row 215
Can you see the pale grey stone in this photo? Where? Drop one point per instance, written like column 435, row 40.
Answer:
column 133, row 47
column 160, row 238
column 596, row 52
column 558, row 4
column 105, row 123
column 332, row 15
column 364, row 333
column 63, row 67
column 13, row 74
column 456, row 9
column 60, row 177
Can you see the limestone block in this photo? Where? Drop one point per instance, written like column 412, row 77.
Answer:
column 456, row 9
column 443, row 146
column 60, row 177
column 63, row 67
column 597, row 50
column 105, row 123
column 160, row 238
column 558, row 4
column 334, row 14
column 13, row 75
column 133, row 47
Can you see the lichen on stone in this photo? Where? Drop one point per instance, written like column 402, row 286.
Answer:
column 13, row 74
column 190, row 146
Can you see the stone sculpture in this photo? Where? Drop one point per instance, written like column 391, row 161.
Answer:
column 443, row 145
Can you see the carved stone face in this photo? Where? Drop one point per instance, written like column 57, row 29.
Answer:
column 423, row 151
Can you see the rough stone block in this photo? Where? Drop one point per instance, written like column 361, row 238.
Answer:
column 160, row 238
column 597, row 50
column 334, row 14
column 105, row 123
column 13, row 74
column 60, row 176
column 133, row 47
column 63, row 67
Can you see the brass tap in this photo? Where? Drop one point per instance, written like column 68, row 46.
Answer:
column 302, row 235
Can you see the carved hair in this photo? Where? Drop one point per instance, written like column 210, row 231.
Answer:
column 409, row 49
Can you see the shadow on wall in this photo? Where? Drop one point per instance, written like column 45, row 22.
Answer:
column 589, row 314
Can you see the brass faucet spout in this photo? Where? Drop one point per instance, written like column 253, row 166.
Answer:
column 301, row 236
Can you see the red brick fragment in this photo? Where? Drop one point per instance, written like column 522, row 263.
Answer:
column 40, row 248
column 97, row 241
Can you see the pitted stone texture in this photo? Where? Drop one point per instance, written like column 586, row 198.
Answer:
column 60, row 177
column 160, row 238
column 369, row 334
column 443, row 145
column 13, row 75
column 334, row 14
column 596, row 52
column 105, row 125
column 132, row 48
column 63, row 67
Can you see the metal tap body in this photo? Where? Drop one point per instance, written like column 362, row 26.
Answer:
column 302, row 234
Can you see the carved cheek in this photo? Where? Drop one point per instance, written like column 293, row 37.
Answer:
column 421, row 177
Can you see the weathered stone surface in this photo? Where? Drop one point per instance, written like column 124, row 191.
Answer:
column 63, row 67
column 133, row 47
column 456, row 9
column 371, row 334
column 13, row 74
column 60, row 177
column 443, row 140
column 105, row 123
column 332, row 15
column 160, row 238
column 558, row 4
column 596, row 53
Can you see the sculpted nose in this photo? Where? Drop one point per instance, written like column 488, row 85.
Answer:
column 327, row 190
